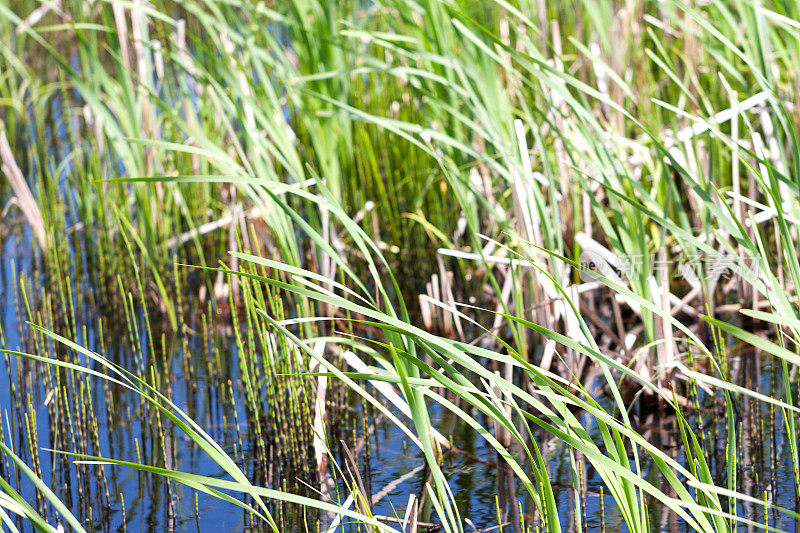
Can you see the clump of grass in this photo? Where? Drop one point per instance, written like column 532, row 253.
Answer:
column 586, row 190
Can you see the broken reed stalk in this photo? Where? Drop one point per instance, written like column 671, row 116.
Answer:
column 25, row 200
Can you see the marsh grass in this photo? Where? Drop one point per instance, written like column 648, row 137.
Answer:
column 488, row 171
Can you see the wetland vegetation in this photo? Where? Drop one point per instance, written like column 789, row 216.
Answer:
column 412, row 266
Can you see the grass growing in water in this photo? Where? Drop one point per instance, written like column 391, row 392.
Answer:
column 521, row 220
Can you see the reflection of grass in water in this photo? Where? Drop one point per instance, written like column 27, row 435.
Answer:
column 514, row 146
column 192, row 367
